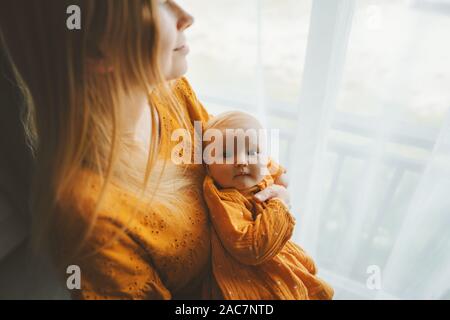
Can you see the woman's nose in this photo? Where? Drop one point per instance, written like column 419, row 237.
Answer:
column 185, row 20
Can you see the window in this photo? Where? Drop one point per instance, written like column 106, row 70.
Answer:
column 360, row 92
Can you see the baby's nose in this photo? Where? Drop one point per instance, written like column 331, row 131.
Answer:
column 241, row 160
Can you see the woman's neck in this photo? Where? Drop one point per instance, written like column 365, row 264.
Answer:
column 135, row 118
column 132, row 108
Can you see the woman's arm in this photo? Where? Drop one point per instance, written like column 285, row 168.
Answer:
column 118, row 269
column 250, row 240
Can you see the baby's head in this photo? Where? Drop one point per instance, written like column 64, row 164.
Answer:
column 234, row 150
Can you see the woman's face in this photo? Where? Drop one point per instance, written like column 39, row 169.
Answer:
column 173, row 21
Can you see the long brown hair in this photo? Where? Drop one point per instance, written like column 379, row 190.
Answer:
column 72, row 119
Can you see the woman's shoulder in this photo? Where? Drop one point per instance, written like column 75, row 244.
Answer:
column 185, row 92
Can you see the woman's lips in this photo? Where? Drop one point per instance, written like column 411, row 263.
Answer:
column 183, row 49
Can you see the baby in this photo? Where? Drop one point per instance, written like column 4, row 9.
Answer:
column 252, row 257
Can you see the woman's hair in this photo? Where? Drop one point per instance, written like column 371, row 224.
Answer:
column 16, row 159
column 72, row 119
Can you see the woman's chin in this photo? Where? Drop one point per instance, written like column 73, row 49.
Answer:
column 177, row 71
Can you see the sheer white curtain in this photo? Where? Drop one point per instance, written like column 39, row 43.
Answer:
column 359, row 90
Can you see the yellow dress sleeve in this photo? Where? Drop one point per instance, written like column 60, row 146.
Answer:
column 119, row 269
column 250, row 240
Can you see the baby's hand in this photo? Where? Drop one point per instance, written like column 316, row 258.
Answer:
column 274, row 191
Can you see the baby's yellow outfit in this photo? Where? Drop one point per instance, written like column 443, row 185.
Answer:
column 252, row 257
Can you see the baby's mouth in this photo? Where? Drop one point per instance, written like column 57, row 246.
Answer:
column 242, row 174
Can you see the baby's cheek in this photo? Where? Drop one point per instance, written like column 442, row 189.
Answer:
column 260, row 169
column 264, row 171
column 221, row 173
column 263, row 159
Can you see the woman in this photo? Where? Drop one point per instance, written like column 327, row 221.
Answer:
column 105, row 198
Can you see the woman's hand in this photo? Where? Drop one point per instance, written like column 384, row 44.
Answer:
column 274, row 191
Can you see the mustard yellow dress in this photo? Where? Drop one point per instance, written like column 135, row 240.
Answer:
column 252, row 256
column 160, row 254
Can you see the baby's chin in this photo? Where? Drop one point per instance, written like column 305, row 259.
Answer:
column 245, row 182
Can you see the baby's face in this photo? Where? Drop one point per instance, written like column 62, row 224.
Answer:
column 243, row 166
